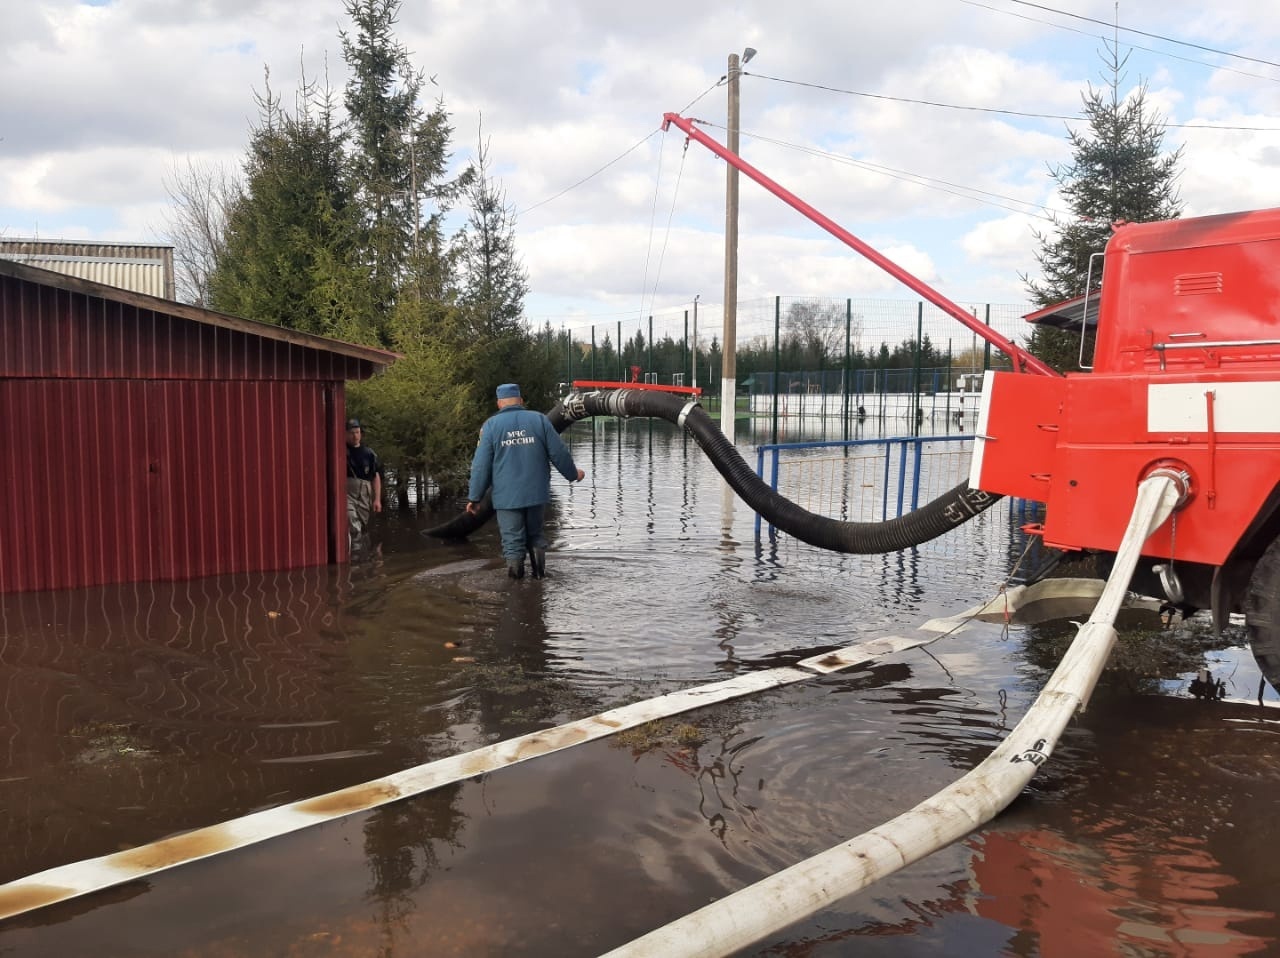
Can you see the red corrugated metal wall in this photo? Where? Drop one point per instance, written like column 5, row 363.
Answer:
column 141, row 445
column 126, row 480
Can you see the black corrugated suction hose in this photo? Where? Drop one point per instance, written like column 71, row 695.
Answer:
column 951, row 509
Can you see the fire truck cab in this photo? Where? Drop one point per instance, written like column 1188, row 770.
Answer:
column 1185, row 378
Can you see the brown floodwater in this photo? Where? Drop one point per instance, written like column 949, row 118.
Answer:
column 132, row 713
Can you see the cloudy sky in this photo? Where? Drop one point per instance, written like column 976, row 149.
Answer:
column 925, row 127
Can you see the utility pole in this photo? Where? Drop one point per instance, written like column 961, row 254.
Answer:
column 729, row 374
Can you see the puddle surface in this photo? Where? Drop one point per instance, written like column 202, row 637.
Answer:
column 129, row 714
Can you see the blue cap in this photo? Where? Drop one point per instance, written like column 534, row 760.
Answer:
column 508, row 391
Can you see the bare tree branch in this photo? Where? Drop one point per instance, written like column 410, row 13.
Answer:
column 202, row 195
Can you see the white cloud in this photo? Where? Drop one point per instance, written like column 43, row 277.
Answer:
column 112, row 95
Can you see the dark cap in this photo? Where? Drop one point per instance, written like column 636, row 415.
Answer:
column 353, row 424
column 508, row 391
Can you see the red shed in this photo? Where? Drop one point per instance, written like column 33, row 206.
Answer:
column 143, row 439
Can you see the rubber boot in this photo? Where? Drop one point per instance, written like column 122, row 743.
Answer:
column 538, row 561
column 515, row 569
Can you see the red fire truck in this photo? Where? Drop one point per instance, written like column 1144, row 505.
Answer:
column 1185, row 379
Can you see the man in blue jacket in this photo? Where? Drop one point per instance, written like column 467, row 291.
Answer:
column 517, row 447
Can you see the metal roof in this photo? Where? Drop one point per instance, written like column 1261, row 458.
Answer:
column 142, row 267
column 379, row 358
column 1067, row 314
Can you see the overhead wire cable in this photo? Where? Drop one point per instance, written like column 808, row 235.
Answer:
column 719, row 82
column 1132, row 46
column 1037, row 210
column 631, row 149
column 653, row 216
column 903, row 99
column 635, row 146
column 675, row 192
column 1144, row 33
column 986, row 109
column 667, row 236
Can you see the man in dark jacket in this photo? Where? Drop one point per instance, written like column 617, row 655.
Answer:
column 364, row 480
column 517, row 447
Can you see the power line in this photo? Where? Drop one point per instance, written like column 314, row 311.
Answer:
column 1133, row 46
column 903, row 99
column 653, row 216
column 1037, row 210
column 1144, row 33
column 667, row 237
column 994, row 110
column 631, row 149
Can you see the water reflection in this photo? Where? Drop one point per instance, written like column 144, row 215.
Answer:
column 1145, row 857
column 127, row 714
column 1066, row 899
column 166, row 703
column 403, row 846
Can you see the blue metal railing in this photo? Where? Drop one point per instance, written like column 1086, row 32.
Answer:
column 904, row 445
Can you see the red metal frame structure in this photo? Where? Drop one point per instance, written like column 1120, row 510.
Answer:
column 150, row 440
column 1023, row 361
column 652, row 387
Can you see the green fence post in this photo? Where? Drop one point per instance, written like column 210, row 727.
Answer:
column 777, row 372
column 916, row 412
column 848, row 326
column 986, row 350
column 948, row 384
column 650, row 343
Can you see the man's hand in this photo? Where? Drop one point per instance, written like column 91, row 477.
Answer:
column 377, row 505
column 471, row 508
column 581, row 475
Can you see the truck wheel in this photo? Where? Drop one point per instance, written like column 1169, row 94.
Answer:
column 1262, row 613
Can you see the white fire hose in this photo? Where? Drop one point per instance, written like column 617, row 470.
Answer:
column 748, row 915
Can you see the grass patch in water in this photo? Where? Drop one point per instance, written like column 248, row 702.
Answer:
column 1145, row 653
column 660, row 734
column 106, row 741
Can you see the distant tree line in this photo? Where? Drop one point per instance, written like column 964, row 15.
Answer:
column 812, row 337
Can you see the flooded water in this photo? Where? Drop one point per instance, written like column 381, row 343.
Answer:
column 128, row 714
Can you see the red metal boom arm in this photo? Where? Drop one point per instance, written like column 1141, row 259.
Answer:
column 1022, row 360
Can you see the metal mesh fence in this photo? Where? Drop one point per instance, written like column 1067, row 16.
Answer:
column 870, row 481
column 829, row 358
column 863, row 483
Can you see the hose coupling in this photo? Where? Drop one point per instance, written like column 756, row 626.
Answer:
column 1179, row 473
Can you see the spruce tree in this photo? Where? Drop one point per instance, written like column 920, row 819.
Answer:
column 493, row 284
column 288, row 254
column 399, row 160
column 1119, row 173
